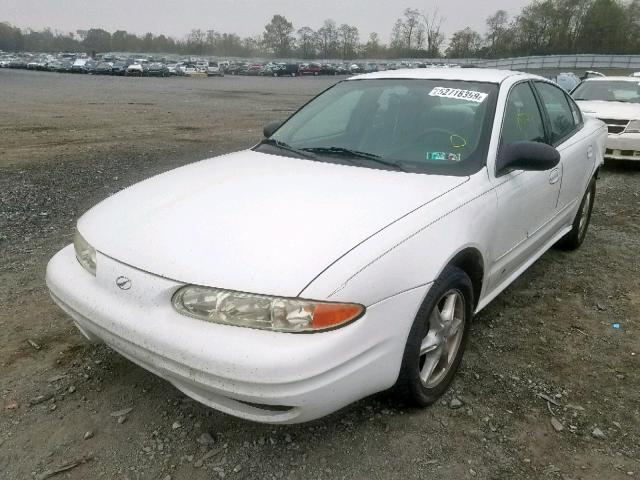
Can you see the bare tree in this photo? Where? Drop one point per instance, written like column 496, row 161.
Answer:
column 195, row 41
column 412, row 28
column 435, row 38
column 373, row 48
column 496, row 26
column 327, row 38
column 348, row 37
column 306, row 42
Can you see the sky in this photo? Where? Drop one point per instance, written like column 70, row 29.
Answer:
column 244, row 17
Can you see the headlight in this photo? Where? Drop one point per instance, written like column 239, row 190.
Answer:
column 261, row 311
column 633, row 127
column 85, row 253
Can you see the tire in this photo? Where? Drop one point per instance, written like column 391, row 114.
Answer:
column 573, row 239
column 415, row 385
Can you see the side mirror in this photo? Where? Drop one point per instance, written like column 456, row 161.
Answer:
column 532, row 156
column 270, row 128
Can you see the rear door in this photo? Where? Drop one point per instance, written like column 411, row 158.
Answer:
column 568, row 136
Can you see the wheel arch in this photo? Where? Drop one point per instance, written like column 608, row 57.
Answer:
column 471, row 261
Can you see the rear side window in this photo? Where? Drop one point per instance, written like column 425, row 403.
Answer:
column 575, row 110
column 522, row 119
column 562, row 118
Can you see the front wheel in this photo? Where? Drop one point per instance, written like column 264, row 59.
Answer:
column 573, row 240
column 437, row 339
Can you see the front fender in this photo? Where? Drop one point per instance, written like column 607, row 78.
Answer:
column 415, row 250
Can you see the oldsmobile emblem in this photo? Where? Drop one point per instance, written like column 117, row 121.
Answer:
column 123, row 283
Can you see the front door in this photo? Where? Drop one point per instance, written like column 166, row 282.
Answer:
column 527, row 200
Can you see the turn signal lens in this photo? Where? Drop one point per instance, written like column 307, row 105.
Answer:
column 85, row 253
column 263, row 312
column 327, row 315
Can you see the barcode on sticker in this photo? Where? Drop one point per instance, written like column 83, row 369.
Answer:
column 459, row 94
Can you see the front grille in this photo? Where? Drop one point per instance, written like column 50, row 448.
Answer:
column 615, row 126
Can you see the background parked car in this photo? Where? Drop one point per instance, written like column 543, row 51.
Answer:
column 134, row 70
column 158, row 69
column 104, row 68
column 568, row 81
column 310, row 69
column 188, row 69
column 65, row 66
column 615, row 101
column 119, row 68
column 235, row 67
column 90, row 67
column 214, row 70
column 18, row 63
column 253, row 70
column 285, row 70
column 79, row 65
column 172, row 68
column 54, row 66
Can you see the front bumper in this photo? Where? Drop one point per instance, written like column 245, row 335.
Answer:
column 257, row 375
column 623, row 146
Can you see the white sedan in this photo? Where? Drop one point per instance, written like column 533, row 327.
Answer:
column 347, row 252
column 616, row 101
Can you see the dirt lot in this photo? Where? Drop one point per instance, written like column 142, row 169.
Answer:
column 546, row 348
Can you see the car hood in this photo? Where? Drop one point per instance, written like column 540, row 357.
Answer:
column 610, row 110
column 251, row 221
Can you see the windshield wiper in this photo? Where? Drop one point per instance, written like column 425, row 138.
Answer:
column 348, row 152
column 286, row 146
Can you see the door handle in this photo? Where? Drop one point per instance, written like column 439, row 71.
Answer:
column 554, row 176
column 590, row 151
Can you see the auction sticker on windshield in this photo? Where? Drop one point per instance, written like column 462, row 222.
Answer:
column 459, row 94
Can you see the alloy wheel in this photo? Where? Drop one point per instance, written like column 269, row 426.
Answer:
column 440, row 346
column 584, row 214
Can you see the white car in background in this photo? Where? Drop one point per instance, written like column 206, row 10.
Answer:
column 568, row 81
column 615, row 101
column 134, row 70
column 172, row 68
column 188, row 69
column 214, row 69
column 344, row 254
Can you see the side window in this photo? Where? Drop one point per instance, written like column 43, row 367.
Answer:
column 522, row 118
column 560, row 114
column 575, row 111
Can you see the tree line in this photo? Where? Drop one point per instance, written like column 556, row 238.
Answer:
column 549, row 27
column 543, row 27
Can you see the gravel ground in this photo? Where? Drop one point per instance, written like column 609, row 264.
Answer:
column 548, row 388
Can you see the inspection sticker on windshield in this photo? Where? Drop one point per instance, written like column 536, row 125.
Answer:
column 459, row 94
column 443, row 157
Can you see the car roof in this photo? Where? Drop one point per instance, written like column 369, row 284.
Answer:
column 465, row 74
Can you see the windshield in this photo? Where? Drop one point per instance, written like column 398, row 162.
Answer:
column 608, row 91
column 422, row 126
